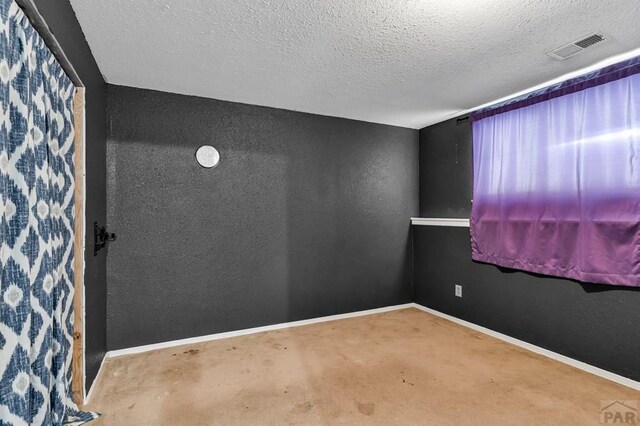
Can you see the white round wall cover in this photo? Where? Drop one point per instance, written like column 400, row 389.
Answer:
column 207, row 156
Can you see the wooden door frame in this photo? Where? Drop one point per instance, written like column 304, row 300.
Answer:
column 78, row 358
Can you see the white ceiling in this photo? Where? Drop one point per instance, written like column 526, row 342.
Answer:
column 404, row 62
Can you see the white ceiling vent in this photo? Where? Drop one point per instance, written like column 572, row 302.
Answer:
column 577, row 46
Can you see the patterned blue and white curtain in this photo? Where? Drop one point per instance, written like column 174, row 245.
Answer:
column 36, row 229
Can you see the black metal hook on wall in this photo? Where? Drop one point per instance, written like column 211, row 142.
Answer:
column 101, row 237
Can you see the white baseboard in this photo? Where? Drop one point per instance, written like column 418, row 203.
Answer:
column 533, row 348
column 541, row 351
column 87, row 395
column 217, row 336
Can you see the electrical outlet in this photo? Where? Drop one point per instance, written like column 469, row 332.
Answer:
column 458, row 290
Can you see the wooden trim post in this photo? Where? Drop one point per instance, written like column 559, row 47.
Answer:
column 77, row 381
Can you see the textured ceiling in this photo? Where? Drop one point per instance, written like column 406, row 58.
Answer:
column 404, row 62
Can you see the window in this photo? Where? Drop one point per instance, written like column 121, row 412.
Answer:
column 557, row 179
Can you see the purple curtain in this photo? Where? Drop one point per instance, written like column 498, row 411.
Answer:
column 557, row 183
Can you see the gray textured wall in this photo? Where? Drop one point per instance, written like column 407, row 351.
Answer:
column 446, row 174
column 62, row 22
column 305, row 216
column 596, row 324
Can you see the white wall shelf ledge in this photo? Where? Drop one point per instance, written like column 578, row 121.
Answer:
column 434, row 221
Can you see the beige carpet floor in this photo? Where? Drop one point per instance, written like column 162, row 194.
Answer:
column 397, row 368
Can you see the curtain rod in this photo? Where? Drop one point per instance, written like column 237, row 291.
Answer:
column 37, row 20
column 462, row 120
